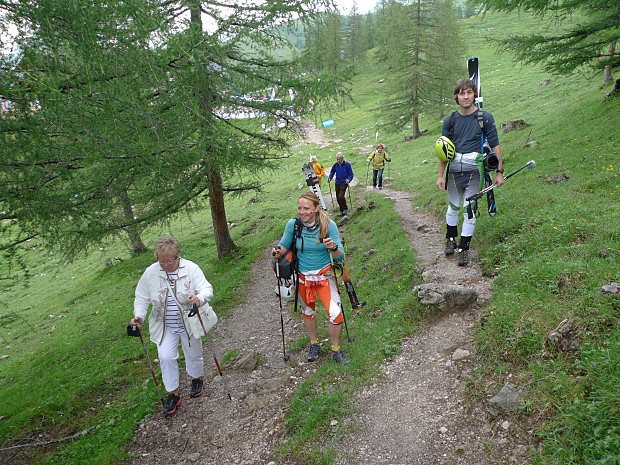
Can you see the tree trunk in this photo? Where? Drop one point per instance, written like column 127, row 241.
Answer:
column 416, row 127
column 223, row 241
column 137, row 245
column 607, row 75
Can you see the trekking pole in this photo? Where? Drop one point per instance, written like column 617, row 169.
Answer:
column 344, row 316
column 285, row 356
column 349, row 190
column 530, row 164
column 135, row 332
column 194, row 311
column 367, row 169
column 330, row 192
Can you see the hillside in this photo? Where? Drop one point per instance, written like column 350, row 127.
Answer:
column 76, row 386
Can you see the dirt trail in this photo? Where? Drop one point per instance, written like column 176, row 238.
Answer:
column 417, row 411
column 416, row 414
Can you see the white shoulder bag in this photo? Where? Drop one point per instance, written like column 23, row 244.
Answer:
column 194, row 328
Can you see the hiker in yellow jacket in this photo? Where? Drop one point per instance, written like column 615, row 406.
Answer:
column 378, row 158
column 318, row 168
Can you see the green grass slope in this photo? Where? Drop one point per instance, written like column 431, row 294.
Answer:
column 67, row 369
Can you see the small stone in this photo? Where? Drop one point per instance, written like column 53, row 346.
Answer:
column 505, row 425
column 460, row 354
column 443, row 430
column 333, row 423
column 194, row 457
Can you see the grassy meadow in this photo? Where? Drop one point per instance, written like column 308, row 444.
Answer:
column 67, row 369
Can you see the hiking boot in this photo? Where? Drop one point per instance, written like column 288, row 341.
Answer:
column 197, row 387
column 450, row 246
column 313, row 352
column 340, row 357
column 171, row 404
column 463, row 257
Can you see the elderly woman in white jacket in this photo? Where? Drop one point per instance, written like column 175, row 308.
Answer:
column 172, row 285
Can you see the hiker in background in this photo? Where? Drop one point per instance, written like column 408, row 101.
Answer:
column 317, row 245
column 318, row 168
column 343, row 172
column 378, row 158
column 463, row 176
column 167, row 285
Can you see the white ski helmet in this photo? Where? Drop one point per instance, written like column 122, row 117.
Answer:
column 287, row 292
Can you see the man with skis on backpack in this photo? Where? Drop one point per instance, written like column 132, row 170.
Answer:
column 461, row 172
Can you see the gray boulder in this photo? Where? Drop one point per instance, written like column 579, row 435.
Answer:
column 446, row 296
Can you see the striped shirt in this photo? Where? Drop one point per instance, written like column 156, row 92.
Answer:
column 173, row 315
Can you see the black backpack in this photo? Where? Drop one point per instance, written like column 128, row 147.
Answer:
column 287, row 263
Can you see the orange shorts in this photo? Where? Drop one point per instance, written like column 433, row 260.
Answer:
column 323, row 286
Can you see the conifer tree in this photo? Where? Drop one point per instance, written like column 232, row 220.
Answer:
column 421, row 61
column 122, row 114
column 582, row 34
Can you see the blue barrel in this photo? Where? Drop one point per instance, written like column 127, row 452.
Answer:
column 328, row 122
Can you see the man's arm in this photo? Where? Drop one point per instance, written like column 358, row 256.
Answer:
column 499, row 176
column 441, row 168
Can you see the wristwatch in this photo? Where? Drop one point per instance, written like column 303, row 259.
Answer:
column 500, row 171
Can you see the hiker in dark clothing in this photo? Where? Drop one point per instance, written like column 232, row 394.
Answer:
column 344, row 175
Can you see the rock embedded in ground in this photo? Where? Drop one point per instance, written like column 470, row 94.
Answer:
column 507, row 399
column 446, row 296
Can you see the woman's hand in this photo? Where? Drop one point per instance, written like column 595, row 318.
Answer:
column 136, row 321
column 330, row 245
column 277, row 252
column 194, row 300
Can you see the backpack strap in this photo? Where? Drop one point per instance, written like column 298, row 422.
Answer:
column 297, row 234
column 480, row 118
column 451, row 126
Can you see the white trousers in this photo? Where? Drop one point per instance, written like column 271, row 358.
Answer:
column 168, row 352
column 460, row 186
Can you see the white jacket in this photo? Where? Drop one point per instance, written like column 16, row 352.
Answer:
column 152, row 290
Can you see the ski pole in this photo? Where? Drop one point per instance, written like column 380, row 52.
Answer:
column 530, row 164
column 194, row 311
column 285, row 356
column 330, row 192
column 344, row 316
column 135, row 331
column 349, row 191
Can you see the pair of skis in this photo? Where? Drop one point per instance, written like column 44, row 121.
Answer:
column 473, row 70
column 312, row 180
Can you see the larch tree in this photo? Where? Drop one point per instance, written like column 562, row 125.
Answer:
column 126, row 114
column 582, row 34
column 421, row 62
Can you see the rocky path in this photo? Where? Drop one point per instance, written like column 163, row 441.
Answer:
column 418, row 411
